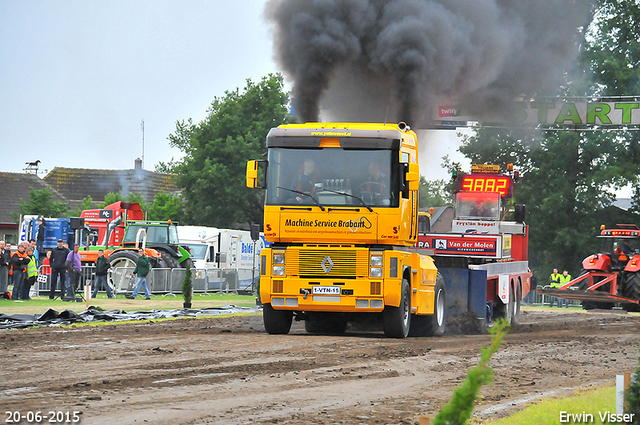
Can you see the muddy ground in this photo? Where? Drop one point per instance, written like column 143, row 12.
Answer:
column 228, row 371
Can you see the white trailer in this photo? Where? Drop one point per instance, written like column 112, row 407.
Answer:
column 230, row 257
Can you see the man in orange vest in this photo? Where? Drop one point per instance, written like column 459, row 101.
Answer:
column 19, row 261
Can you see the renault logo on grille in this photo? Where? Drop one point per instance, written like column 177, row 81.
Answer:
column 327, row 264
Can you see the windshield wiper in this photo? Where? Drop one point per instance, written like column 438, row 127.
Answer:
column 305, row 194
column 353, row 196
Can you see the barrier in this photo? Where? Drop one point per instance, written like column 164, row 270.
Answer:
column 163, row 281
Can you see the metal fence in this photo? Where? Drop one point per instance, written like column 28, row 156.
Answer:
column 166, row 281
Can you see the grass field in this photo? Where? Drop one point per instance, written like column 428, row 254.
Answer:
column 39, row 305
column 548, row 412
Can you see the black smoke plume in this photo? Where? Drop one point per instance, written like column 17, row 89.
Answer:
column 374, row 60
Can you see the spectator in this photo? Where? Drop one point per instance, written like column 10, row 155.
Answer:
column 19, row 261
column 74, row 269
column 31, row 274
column 5, row 259
column 142, row 269
column 564, row 279
column 58, row 273
column 7, row 248
column 40, row 238
column 102, row 266
column 531, row 296
column 554, row 282
column 32, row 244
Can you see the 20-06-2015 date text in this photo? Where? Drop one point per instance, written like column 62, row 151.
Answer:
column 51, row 417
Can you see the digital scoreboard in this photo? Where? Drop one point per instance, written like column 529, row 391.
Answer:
column 486, row 183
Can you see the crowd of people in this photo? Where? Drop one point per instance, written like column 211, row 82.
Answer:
column 63, row 267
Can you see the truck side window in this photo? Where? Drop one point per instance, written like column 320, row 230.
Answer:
column 212, row 255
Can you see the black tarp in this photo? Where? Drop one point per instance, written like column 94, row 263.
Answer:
column 52, row 317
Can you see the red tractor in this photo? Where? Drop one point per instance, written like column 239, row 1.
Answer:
column 610, row 277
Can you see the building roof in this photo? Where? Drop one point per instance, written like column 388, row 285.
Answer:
column 78, row 183
column 14, row 187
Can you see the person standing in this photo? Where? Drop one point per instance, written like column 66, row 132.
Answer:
column 554, row 282
column 142, row 270
column 32, row 244
column 58, row 271
column 40, row 240
column 74, row 268
column 102, row 266
column 564, row 279
column 31, row 274
column 19, row 261
column 5, row 259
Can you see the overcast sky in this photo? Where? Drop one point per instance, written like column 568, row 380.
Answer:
column 77, row 77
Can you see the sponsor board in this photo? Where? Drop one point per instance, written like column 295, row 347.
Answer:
column 464, row 245
column 475, row 226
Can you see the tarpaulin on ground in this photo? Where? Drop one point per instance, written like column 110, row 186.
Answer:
column 54, row 318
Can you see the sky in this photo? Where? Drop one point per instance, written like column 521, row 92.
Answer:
column 77, row 78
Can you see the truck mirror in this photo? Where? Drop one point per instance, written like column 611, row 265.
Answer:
column 255, row 232
column 519, row 213
column 252, row 174
column 412, row 176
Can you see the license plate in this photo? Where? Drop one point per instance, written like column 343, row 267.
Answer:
column 326, row 290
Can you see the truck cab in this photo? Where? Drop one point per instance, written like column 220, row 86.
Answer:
column 341, row 211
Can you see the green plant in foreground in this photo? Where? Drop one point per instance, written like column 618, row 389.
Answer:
column 633, row 397
column 187, row 286
column 458, row 410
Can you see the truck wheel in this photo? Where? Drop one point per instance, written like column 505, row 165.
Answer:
column 433, row 325
column 169, row 260
column 631, row 289
column 326, row 323
column 276, row 321
column 397, row 320
column 120, row 259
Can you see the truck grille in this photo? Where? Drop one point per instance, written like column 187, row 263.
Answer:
column 326, row 262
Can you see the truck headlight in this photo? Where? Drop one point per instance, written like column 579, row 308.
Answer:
column 375, row 263
column 278, row 264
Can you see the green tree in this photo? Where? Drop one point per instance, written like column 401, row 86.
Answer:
column 41, row 203
column 612, row 61
column 86, row 204
column 133, row 198
column 217, row 149
column 166, row 207
column 433, row 193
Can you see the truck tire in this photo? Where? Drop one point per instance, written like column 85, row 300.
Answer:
column 397, row 320
column 326, row 323
column 168, row 258
column 433, row 325
column 276, row 322
column 631, row 289
column 120, row 259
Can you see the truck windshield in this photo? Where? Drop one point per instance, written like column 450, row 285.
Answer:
column 333, row 176
column 155, row 234
column 198, row 252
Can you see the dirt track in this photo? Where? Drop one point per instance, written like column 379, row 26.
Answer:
column 228, row 371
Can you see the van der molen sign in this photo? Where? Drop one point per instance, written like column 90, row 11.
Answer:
column 556, row 113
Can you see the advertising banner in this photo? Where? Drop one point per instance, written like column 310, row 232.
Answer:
column 463, row 245
column 550, row 112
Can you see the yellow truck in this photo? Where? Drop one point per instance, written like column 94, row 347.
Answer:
column 341, row 212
